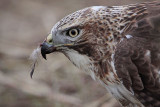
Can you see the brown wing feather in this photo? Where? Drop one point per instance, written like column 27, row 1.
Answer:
column 135, row 69
column 149, row 29
column 137, row 60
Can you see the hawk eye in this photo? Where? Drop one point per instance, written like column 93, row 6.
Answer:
column 73, row 32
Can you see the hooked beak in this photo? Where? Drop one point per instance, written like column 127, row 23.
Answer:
column 46, row 48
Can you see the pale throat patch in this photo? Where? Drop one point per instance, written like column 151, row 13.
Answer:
column 81, row 61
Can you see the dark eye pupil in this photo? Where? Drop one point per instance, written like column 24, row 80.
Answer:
column 73, row 32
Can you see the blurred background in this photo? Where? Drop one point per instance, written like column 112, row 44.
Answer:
column 56, row 82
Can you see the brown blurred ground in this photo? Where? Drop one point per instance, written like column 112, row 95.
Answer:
column 56, row 83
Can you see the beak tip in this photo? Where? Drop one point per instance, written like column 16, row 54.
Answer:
column 44, row 56
column 46, row 49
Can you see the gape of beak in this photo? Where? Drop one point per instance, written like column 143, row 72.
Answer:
column 46, row 48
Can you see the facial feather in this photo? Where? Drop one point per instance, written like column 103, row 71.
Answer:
column 83, row 62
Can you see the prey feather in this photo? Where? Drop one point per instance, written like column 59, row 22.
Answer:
column 34, row 57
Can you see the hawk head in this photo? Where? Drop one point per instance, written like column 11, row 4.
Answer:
column 82, row 31
column 82, row 36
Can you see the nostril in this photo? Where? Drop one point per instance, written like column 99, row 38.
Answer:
column 50, row 41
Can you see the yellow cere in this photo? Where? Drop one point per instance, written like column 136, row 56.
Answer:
column 49, row 39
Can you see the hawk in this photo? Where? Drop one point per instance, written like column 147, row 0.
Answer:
column 119, row 46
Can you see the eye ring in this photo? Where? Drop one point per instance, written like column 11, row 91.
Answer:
column 73, row 32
